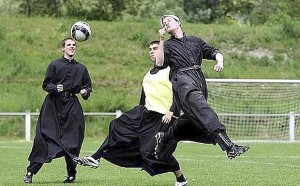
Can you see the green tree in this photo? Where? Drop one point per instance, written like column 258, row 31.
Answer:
column 141, row 9
column 40, row 7
column 200, row 10
column 107, row 10
column 237, row 10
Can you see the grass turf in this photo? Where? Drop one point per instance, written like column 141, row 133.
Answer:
column 265, row 164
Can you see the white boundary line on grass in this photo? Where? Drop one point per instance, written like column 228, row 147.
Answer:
column 249, row 162
column 12, row 147
column 255, row 141
column 272, row 164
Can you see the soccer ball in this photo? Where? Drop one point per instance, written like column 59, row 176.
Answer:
column 81, row 31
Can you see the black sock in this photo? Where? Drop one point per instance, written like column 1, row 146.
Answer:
column 224, row 142
column 180, row 178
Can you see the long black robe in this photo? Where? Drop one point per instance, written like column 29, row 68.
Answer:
column 60, row 127
column 131, row 141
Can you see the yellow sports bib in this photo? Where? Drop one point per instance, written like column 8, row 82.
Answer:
column 158, row 91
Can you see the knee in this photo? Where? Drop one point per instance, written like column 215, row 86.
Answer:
column 196, row 99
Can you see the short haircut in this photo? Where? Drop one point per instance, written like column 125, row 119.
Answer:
column 154, row 42
column 173, row 16
column 63, row 42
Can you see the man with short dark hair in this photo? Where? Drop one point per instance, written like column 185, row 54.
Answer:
column 131, row 141
column 184, row 55
column 60, row 127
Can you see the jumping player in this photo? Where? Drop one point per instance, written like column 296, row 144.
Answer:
column 184, row 55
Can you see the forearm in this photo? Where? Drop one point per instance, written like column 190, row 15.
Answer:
column 50, row 88
column 220, row 58
column 159, row 61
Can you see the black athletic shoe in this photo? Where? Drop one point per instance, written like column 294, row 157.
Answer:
column 28, row 177
column 237, row 150
column 70, row 179
column 164, row 149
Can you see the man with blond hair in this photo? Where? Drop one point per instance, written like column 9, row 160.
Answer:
column 184, row 55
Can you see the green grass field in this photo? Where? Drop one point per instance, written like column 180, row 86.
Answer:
column 264, row 164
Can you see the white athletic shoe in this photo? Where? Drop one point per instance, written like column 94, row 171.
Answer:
column 181, row 183
column 87, row 161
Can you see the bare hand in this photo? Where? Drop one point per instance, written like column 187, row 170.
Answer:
column 83, row 92
column 167, row 117
column 60, row 88
column 162, row 32
column 220, row 63
column 218, row 68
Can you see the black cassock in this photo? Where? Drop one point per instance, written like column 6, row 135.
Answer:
column 60, row 126
column 131, row 139
column 131, row 142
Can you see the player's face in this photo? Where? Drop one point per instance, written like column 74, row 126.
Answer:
column 152, row 51
column 169, row 23
column 69, row 48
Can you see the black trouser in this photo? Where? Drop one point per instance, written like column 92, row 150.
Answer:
column 204, row 118
column 34, row 167
column 184, row 129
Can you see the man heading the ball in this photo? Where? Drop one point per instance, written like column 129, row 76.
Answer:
column 184, row 55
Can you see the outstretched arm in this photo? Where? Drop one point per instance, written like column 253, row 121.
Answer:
column 160, row 51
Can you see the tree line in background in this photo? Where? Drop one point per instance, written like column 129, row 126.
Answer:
column 252, row 12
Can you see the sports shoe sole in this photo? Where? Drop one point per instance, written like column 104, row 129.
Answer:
column 87, row 161
column 185, row 183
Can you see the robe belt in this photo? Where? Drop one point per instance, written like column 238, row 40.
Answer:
column 195, row 67
column 67, row 94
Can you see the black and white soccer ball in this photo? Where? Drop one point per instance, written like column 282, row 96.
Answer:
column 81, row 31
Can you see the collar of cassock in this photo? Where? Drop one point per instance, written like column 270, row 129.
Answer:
column 67, row 60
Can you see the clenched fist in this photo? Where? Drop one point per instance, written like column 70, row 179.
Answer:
column 162, row 32
column 83, row 92
column 60, row 88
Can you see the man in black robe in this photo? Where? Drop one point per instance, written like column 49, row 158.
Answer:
column 184, row 55
column 60, row 126
column 130, row 142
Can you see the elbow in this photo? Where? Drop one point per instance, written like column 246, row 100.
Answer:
column 158, row 64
